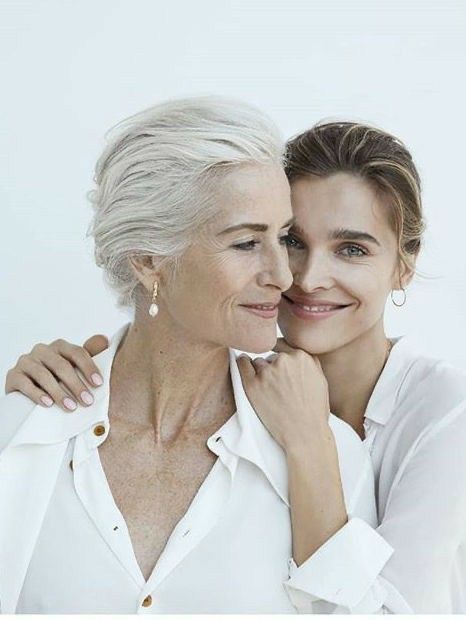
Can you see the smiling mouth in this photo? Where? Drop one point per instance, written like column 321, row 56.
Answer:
column 265, row 311
column 314, row 310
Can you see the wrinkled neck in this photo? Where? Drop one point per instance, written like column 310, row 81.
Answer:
column 163, row 378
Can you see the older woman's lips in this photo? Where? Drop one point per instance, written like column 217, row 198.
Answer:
column 266, row 311
column 313, row 310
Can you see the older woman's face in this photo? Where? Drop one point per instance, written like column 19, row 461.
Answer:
column 344, row 259
column 229, row 283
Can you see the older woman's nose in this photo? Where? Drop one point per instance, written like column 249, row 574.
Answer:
column 277, row 271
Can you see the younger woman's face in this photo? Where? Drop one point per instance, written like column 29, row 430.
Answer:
column 344, row 260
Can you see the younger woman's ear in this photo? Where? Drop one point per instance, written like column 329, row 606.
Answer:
column 405, row 275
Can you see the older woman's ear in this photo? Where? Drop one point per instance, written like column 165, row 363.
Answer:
column 144, row 269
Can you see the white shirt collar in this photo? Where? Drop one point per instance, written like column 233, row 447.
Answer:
column 243, row 434
column 384, row 397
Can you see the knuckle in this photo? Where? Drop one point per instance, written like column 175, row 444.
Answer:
column 62, row 366
column 38, row 348
column 77, row 353
column 42, row 375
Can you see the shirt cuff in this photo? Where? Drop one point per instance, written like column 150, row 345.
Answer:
column 343, row 569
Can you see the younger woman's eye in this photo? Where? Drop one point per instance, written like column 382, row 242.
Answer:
column 353, row 251
column 247, row 245
column 291, row 241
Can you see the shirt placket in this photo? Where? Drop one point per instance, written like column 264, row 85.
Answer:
column 201, row 517
column 94, row 492
column 370, row 431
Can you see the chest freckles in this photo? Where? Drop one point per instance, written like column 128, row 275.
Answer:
column 152, row 484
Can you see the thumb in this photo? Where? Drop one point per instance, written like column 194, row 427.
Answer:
column 283, row 347
column 96, row 344
column 246, row 370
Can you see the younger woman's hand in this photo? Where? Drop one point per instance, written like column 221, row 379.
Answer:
column 289, row 393
column 49, row 373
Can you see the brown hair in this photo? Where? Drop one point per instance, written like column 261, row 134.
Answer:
column 374, row 155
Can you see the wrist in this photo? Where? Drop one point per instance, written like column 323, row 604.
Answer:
column 307, row 444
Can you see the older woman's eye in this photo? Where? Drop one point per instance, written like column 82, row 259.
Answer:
column 353, row 251
column 247, row 245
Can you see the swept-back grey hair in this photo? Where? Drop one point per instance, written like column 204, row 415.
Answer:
column 158, row 178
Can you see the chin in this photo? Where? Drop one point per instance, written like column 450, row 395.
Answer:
column 256, row 344
column 315, row 344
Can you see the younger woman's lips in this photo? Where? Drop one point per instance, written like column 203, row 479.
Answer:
column 313, row 311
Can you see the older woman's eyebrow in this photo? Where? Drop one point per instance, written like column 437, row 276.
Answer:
column 251, row 226
column 346, row 234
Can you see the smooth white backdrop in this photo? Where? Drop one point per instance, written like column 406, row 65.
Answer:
column 70, row 70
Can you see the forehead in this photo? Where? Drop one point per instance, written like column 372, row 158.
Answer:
column 254, row 192
column 343, row 200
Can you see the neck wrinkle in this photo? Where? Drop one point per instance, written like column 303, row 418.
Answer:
column 162, row 379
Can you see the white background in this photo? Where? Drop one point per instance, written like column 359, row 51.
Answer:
column 71, row 69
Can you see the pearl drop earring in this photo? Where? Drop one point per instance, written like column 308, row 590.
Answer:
column 153, row 308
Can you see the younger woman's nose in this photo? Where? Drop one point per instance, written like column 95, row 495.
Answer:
column 315, row 273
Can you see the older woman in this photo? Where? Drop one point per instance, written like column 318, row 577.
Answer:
column 357, row 202
column 169, row 494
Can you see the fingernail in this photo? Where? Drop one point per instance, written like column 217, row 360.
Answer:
column 48, row 402
column 69, row 404
column 96, row 379
column 87, row 398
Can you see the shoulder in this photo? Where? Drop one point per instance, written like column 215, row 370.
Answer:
column 432, row 387
column 15, row 408
column 424, row 394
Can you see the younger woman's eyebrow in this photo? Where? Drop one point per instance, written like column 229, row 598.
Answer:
column 346, row 234
column 251, row 226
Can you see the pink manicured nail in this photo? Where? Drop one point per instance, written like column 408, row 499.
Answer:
column 87, row 398
column 96, row 379
column 69, row 404
column 48, row 402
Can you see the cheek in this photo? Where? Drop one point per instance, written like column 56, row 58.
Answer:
column 296, row 261
column 212, row 286
column 370, row 288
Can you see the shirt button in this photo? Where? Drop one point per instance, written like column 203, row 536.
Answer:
column 99, row 430
column 147, row 602
column 71, row 465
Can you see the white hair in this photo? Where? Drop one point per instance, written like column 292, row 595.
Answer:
column 155, row 178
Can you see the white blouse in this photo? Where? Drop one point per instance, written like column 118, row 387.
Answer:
column 415, row 427
column 65, row 547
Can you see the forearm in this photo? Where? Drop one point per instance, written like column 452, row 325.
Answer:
column 316, row 495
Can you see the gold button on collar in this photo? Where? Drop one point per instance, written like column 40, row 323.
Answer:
column 147, row 602
column 99, row 430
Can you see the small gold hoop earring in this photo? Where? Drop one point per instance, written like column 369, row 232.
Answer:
column 395, row 302
column 153, row 308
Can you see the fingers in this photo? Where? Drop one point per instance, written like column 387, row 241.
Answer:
column 259, row 363
column 47, row 375
column 79, row 357
column 246, row 368
column 57, row 373
column 283, row 347
column 18, row 382
column 96, row 344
